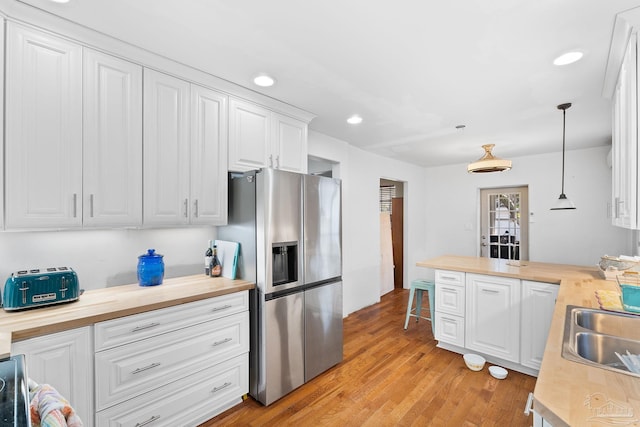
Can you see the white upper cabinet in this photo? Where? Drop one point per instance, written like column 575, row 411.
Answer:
column 208, row 156
column 249, row 136
column 43, row 146
column 112, row 134
column 289, row 145
column 261, row 138
column 166, row 149
column 625, row 142
column 185, row 152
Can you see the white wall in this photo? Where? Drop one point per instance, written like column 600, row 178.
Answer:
column 105, row 257
column 578, row 236
column 360, row 173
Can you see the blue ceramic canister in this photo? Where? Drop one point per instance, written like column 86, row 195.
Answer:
column 150, row 268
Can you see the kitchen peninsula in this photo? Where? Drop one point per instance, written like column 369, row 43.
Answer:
column 566, row 392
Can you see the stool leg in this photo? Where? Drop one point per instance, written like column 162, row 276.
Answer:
column 418, row 304
column 409, row 304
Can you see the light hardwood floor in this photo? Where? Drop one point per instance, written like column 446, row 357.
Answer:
column 393, row 377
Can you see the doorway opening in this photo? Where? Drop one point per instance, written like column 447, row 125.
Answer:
column 391, row 235
column 504, row 223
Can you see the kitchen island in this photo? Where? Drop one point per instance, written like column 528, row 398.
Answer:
column 566, row 392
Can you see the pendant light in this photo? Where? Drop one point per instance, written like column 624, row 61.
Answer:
column 563, row 202
column 488, row 162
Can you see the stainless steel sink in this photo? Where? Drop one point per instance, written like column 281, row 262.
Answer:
column 594, row 336
column 610, row 323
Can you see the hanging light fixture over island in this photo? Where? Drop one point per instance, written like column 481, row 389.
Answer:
column 563, row 202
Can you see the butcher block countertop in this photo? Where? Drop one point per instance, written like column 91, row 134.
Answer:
column 566, row 392
column 109, row 303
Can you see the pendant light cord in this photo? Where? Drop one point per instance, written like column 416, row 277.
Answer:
column 564, row 119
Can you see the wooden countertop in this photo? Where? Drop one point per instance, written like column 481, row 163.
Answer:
column 109, row 303
column 566, row 393
column 527, row 270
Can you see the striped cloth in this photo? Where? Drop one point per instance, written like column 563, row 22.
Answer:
column 49, row 408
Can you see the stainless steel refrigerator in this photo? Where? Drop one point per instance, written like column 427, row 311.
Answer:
column 289, row 229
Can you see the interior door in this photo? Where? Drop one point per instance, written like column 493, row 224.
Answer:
column 504, row 223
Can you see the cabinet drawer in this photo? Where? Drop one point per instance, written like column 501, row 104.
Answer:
column 450, row 277
column 450, row 329
column 188, row 401
column 127, row 371
column 450, row 298
column 128, row 329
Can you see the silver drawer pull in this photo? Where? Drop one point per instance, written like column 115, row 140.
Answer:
column 143, row 327
column 149, row 421
column 217, row 389
column 146, row 368
column 224, row 307
column 221, row 342
column 490, row 291
column 448, row 277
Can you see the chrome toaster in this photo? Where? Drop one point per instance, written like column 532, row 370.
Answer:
column 40, row 287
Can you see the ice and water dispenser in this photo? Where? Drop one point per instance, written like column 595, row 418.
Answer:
column 284, row 263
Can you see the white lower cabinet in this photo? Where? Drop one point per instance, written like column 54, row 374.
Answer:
column 180, row 365
column 63, row 360
column 492, row 322
column 188, row 401
column 538, row 303
column 503, row 318
column 450, row 307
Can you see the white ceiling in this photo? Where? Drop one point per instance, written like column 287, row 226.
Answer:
column 413, row 69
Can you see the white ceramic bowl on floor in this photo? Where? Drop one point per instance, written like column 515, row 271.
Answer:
column 498, row 372
column 475, row 362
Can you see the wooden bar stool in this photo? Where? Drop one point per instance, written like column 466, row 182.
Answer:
column 417, row 286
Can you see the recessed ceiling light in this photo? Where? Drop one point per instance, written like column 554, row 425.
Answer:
column 568, row 58
column 264, row 80
column 354, row 120
column 59, row 1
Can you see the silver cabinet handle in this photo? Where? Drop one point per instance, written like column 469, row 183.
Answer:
column 270, row 160
column 91, row 205
column 146, row 368
column 224, row 307
column 186, row 208
column 448, row 277
column 143, row 327
column 75, row 205
column 195, row 208
column 278, row 162
column 217, row 343
column 490, row 291
column 217, row 389
column 149, row 421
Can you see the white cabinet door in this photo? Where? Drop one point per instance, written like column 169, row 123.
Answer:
column 249, row 136
column 625, row 142
column 449, row 329
column 63, row 360
column 289, row 145
column 112, row 190
column 538, row 303
column 43, row 130
column 208, row 156
column 166, row 149
column 492, row 321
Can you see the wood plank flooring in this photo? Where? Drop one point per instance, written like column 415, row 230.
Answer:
column 393, row 377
